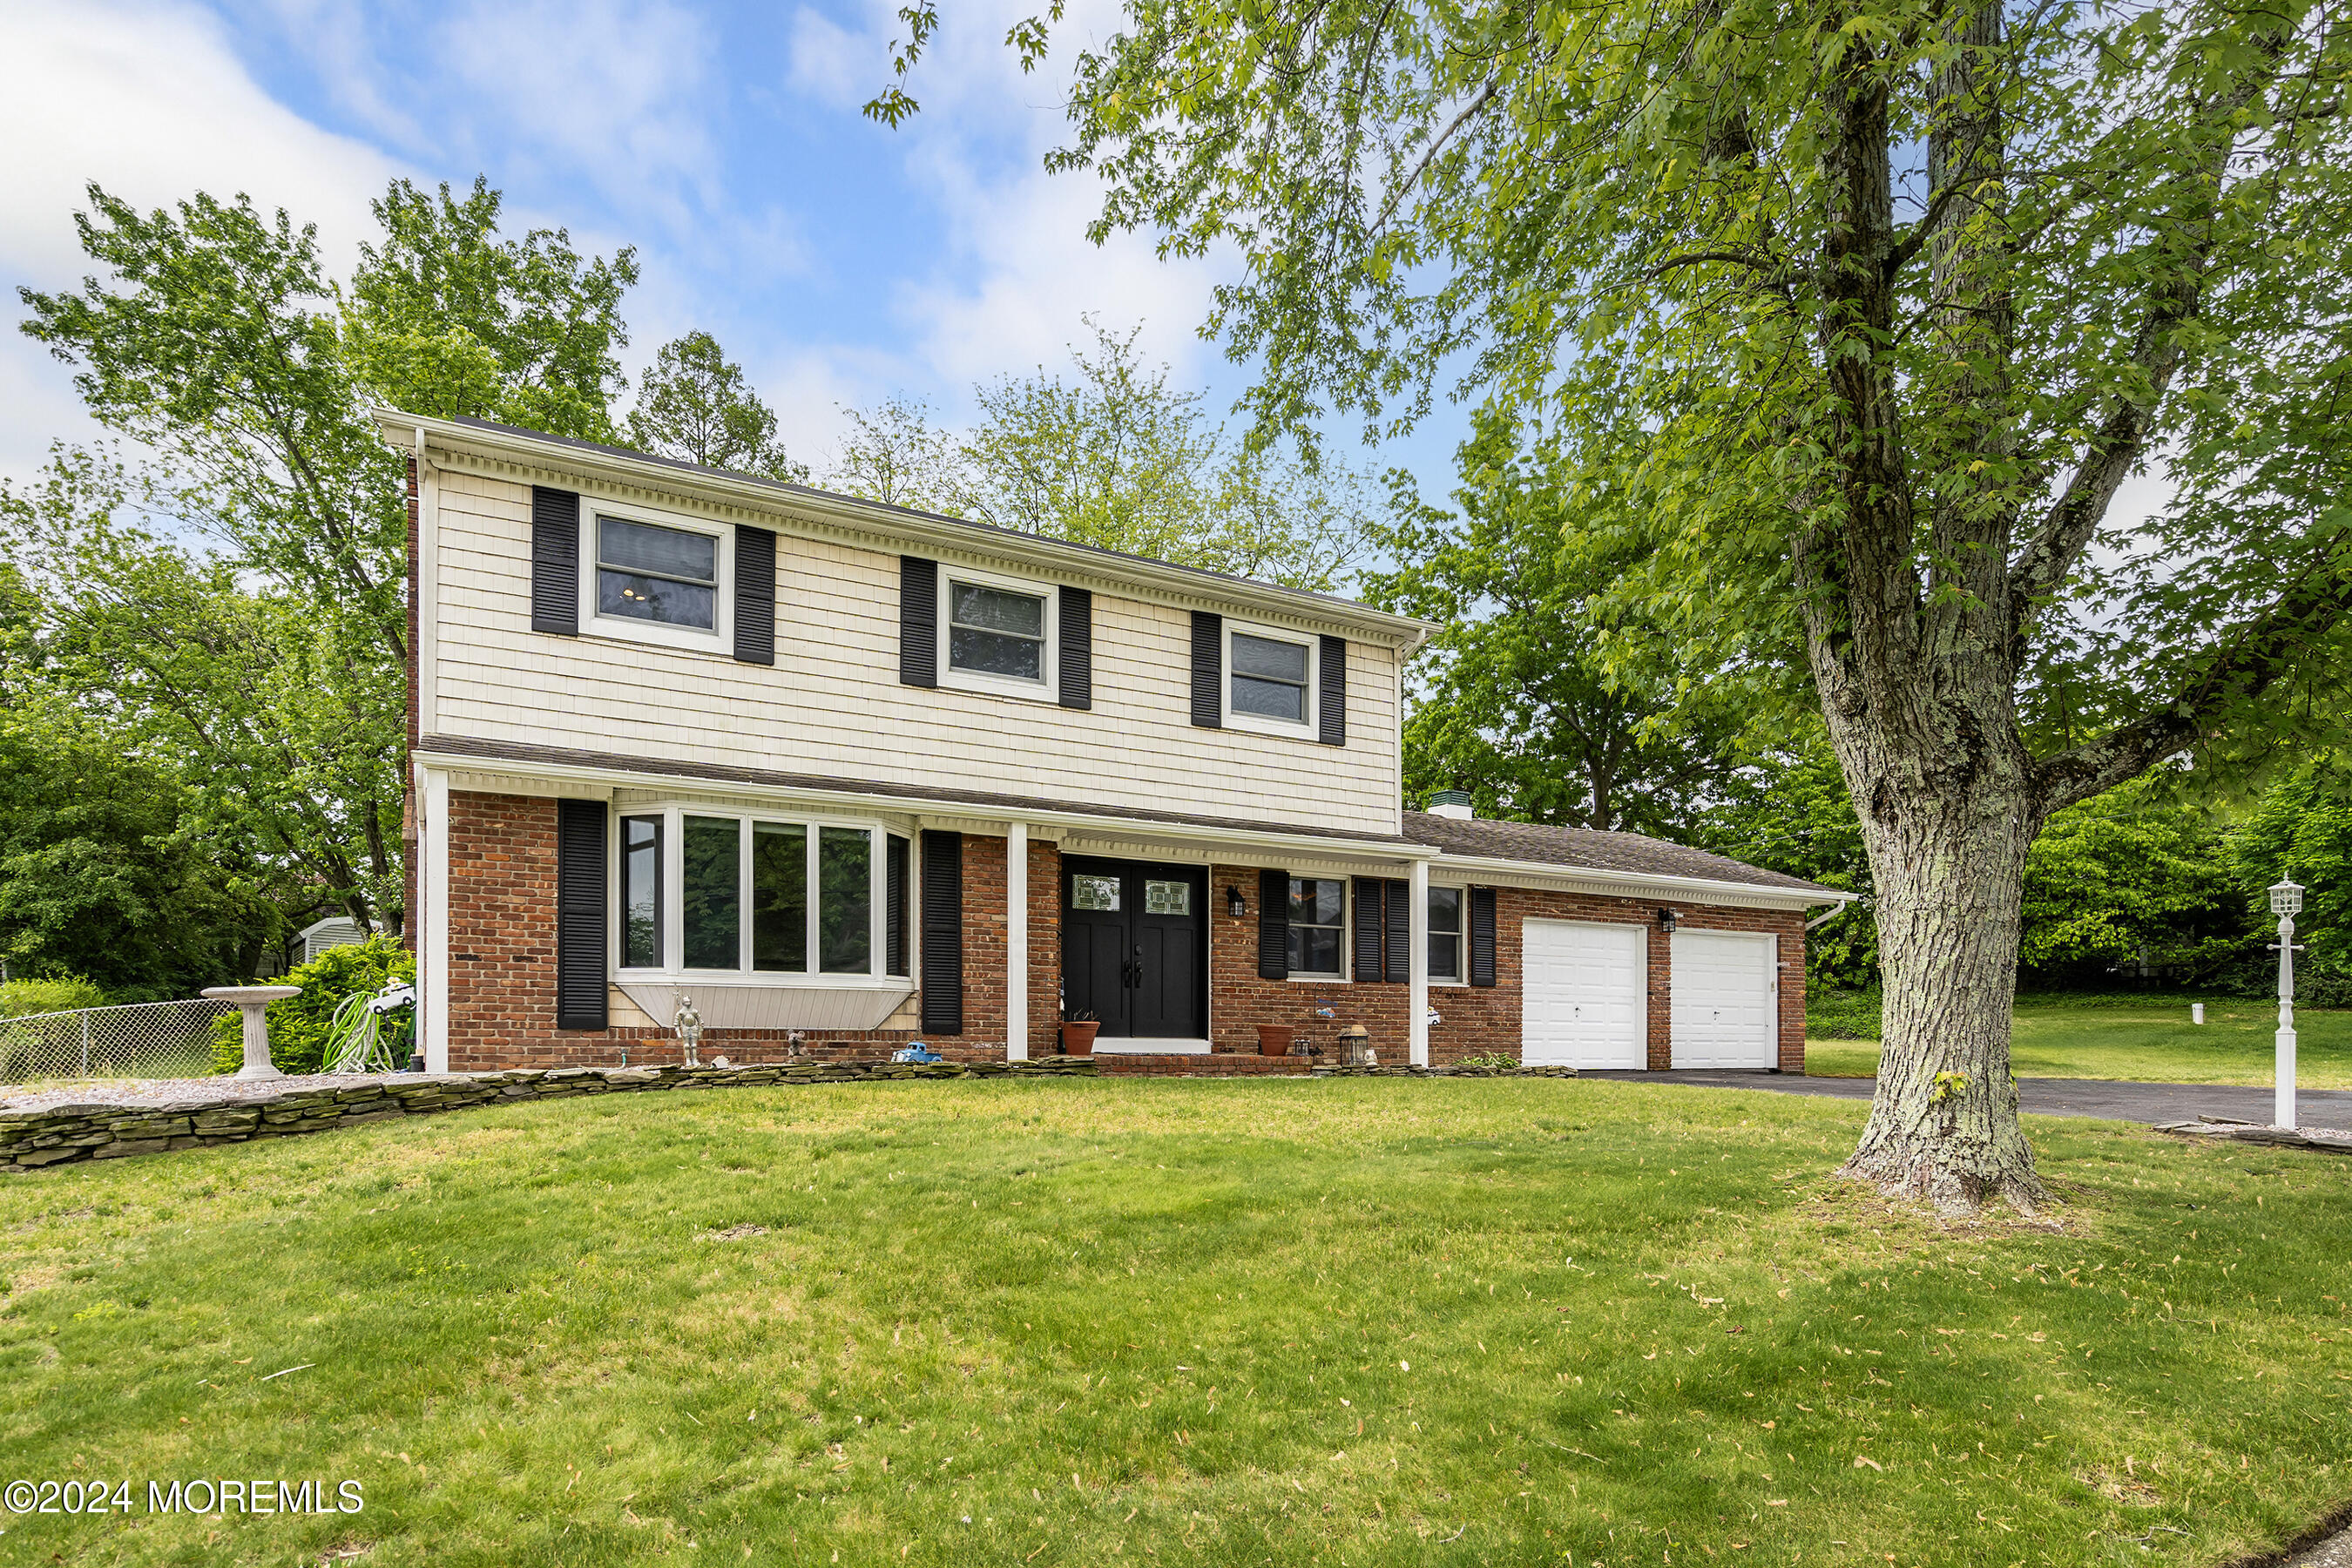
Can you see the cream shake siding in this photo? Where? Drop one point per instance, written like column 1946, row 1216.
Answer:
column 833, row 705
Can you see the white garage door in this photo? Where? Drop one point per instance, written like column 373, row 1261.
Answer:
column 1582, row 1000
column 1725, row 987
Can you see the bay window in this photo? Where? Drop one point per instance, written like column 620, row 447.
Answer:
column 764, row 897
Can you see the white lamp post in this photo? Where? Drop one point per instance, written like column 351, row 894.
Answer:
column 2287, row 902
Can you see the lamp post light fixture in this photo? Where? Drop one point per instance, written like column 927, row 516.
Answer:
column 2287, row 902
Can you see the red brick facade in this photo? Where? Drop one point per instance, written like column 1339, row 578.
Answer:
column 502, row 966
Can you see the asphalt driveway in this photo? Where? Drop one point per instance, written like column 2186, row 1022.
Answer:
column 2107, row 1099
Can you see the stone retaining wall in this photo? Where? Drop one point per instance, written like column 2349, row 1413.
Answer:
column 60, row 1135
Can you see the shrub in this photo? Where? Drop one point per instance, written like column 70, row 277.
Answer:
column 1843, row 1016
column 23, row 998
column 298, row 1024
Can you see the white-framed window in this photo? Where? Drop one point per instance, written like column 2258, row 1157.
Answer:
column 1317, row 932
column 999, row 633
column 656, row 576
column 1271, row 676
column 757, row 895
column 1446, row 929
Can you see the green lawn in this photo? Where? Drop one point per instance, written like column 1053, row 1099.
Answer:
column 1359, row 1322
column 2144, row 1038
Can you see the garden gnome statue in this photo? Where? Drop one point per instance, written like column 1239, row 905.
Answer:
column 689, row 1030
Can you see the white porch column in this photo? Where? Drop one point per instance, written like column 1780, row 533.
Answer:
column 1417, row 1001
column 1016, row 942
column 432, row 956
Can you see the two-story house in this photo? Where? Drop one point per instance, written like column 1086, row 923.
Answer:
column 847, row 774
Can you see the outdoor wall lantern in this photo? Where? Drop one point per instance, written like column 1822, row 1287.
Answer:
column 1667, row 922
column 2287, row 902
column 1233, row 905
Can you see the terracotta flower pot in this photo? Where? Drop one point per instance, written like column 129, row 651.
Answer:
column 1078, row 1039
column 1274, row 1039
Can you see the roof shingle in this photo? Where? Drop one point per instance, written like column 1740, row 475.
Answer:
column 1590, row 849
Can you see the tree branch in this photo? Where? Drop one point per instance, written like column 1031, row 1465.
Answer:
column 2263, row 649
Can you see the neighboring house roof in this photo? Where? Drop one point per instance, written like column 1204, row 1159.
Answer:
column 333, row 924
column 1589, row 849
column 1406, row 629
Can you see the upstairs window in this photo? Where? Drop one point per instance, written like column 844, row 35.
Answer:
column 1319, row 918
column 997, row 634
column 1270, row 680
column 666, row 575
column 995, row 631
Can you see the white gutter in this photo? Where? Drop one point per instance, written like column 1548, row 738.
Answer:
column 928, row 806
column 872, row 517
column 1752, row 891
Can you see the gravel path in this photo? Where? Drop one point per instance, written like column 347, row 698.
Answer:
column 146, row 1092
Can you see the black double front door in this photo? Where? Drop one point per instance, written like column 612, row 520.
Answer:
column 1135, row 948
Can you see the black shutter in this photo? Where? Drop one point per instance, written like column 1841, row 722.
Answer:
column 1077, row 656
column 554, row 560
column 1368, row 925
column 1400, row 934
column 1332, row 707
column 579, row 914
column 943, row 932
column 919, row 622
column 894, row 906
column 1482, row 936
column 1273, row 923
column 1209, row 679
column 755, row 594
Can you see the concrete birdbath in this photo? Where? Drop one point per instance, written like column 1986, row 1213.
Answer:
column 250, row 1000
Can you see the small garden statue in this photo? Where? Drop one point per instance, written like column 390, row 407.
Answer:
column 689, row 1023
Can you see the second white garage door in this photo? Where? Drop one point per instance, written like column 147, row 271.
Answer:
column 1581, row 1001
column 1725, row 987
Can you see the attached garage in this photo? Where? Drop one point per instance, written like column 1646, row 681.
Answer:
column 1582, row 1000
column 1727, row 992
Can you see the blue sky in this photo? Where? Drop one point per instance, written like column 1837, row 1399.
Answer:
column 839, row 261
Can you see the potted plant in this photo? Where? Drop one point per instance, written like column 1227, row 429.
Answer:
column 1274, row 1039
column 1078, row 1034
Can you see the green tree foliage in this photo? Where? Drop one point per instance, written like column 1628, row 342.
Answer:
column 2134, row 878
column 299, row 1025
column 267, row 671
column 279, row 721
column 1511, row 700
column 695, row 404
column 1115, row 456
column 445, row 316
column 1898, row 293
column 108, row 872
column 2301, row 831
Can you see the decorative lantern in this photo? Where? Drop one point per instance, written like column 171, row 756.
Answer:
column 2286, row 899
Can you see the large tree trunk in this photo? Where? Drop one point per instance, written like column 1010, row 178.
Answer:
column 1943, row 1125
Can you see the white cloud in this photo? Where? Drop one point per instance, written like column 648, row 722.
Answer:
column 149, row 101
column 620, row 95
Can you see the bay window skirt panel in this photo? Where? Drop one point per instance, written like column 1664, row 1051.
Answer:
column 737, row 1007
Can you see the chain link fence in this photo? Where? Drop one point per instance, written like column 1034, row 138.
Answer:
column 141, row 1039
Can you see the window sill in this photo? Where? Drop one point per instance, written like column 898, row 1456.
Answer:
column 963, row 681
column 1303, row 978
column 1257, row 724
column 655, row 634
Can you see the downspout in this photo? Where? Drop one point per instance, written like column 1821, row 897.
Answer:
column 1820, row 920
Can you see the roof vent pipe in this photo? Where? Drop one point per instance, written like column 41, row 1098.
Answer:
column 1452, row 803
